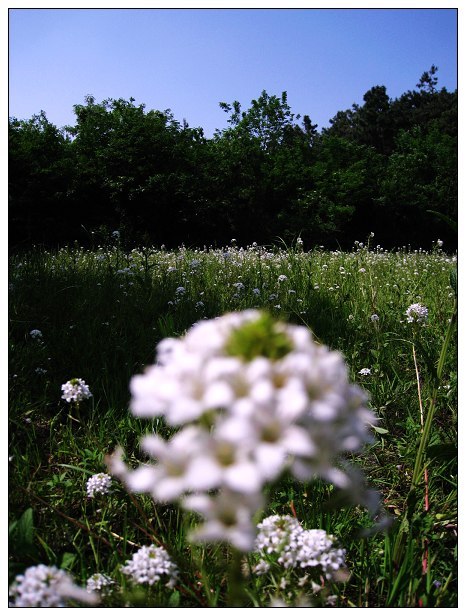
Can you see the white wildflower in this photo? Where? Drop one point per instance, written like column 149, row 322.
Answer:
column 254, row 398
column 261, row 568
column 316, row 548
column 98, row 484
column 75, row 390
column 149, row 565
column 417, row 313
column 35, row 334
column 99, row 582
column 365, row 371
column 278, row 535
column 284, row 536
column 374, row 317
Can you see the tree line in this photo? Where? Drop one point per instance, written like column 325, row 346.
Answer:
column 388, row 166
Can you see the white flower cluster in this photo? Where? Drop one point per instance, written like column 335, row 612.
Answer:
column 75, row 390
column 43, row 586
column 99, row 582
column 35, row 334
column 98, row 484
column 276, row 532
column 417, row 313
column 255, row 397
column 296, row 547
column 149, row 564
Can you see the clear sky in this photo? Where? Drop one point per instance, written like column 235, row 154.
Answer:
column 188, row 60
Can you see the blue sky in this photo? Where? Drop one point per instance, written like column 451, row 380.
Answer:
column 188, row 60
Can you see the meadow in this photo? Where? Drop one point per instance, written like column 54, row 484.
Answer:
column 99, row 314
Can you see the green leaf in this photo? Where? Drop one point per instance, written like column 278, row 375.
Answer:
column 379, row 430
column 67, row 560
column 454, row 280
column 174, row 600
column 25, row 528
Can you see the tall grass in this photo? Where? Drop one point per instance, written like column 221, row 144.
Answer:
column 101, row 314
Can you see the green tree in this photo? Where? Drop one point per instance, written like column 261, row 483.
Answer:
column 262, row 165
column 421, row 175
column 134, row 168
column 39, row 179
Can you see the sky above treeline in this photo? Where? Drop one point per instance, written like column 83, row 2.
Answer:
column 189, row 60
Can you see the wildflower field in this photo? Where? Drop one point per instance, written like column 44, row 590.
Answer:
column 256, row 427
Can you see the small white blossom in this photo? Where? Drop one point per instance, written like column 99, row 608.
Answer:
column 364, row 371
column 261, row 568
column 296, row 547
column 331, row 600
column 75, row 390
column 35, row 334
column 374, row 317
column 316, row 548
column 99, row 583
column 278, row 535
column 282, row 278
column 417, row 313
column 149, row 564
column 98, row 484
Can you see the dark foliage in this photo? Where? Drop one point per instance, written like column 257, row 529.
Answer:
column 388, row 166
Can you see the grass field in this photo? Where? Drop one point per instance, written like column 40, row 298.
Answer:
column 99, row 316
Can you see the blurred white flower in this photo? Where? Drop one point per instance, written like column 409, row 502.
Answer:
column 43, row 586
column 254, row 398
column 228, row 517
column 364, row 371
column 35, row 334
column 374, row 317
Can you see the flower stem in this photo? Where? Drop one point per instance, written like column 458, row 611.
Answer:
column 236, row 596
